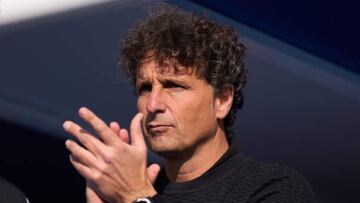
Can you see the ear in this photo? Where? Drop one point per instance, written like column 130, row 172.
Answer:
column 223, row 101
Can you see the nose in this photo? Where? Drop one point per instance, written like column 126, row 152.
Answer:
column 155, row 103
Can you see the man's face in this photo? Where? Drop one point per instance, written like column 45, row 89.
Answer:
column 179, row 109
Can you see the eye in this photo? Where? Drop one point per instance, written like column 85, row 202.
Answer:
column 143, row 88
column 173, row 85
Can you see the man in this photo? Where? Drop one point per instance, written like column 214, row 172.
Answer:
column 189, row 76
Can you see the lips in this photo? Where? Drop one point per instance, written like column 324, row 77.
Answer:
column 158, row 127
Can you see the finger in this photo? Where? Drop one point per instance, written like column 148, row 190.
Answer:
column 81, row 154
column 136, row 134
column 115, row 126
column 94, row 145
column 84, row 171
column 101, row 128
column 153, row 171
column 124, row 135
column 120, row 132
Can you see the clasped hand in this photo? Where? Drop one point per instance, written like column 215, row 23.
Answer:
column 115, row 170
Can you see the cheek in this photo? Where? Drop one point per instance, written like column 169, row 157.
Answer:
column 141, row 104
column 197, row 113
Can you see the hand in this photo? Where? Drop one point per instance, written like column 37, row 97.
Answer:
column 115, row 169
column 92, row 196
column 154, row 169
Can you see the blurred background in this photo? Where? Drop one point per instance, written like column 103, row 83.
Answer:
column 302, row 100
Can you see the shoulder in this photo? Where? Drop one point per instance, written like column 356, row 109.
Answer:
column 264, row 171
column 10, row 193
column 276, row 183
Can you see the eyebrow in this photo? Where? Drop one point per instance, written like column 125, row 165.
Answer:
column 163, row 79
column 172, row 79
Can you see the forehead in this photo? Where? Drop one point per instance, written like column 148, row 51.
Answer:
column 149, row 69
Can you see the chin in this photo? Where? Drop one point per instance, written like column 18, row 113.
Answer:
column 163, row 150
column 171, row 152
column 168, row 154
column 158, row 149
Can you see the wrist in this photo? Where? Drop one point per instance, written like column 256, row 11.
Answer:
column 145, row 196
column 144, row 200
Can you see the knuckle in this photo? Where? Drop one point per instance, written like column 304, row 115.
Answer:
column 109, row 157
column 102, row 167
column 84, row 141
column 90, row 117
column 81, row 139
column 122, row 150
column 97, row 175
column 102, row 128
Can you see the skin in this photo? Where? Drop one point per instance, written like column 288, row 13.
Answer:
column 115, row 178
column 181, row 120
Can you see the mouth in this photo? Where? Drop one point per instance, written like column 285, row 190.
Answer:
column 158, row 128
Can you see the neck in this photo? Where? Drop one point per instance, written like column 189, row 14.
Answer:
column 201, row 160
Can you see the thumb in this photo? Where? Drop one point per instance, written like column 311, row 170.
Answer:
column 136, row 134
column 153, row 171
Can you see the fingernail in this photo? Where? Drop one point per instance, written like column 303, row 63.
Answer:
column 82, row 111
column 67, row 143
column 66, row 125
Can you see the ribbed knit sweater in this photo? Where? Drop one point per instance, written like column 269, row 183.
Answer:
column 237, row 178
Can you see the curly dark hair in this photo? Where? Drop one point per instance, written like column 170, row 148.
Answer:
column 194, row 42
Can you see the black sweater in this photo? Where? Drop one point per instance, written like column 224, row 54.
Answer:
column 237, row 178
